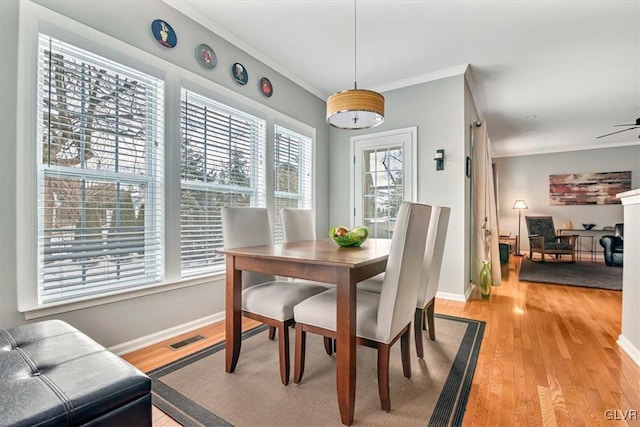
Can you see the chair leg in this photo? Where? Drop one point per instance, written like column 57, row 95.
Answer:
column 272, row 332
column 406, row 358
column 301, row 338
column 283, row 341
column 328, row 345
column 383, row 376
column 431, row 320
column 418, row 324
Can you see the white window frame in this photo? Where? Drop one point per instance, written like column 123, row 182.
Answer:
column 59, row 280
column 257, row 191
column 34, row 19
column 304, row 195
column 382, row 139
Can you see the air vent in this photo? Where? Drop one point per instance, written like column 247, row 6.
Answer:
column 188, row 341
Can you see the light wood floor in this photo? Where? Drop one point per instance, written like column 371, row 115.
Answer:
column 549, row 356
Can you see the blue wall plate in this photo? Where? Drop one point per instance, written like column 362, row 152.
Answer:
column 163, row 33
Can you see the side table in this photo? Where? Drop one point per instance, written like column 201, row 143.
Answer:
column 511, row 241
column 591, row 250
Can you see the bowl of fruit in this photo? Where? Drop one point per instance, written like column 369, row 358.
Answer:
column 349, row 238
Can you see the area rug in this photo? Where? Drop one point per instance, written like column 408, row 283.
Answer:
column 587, row 274
column 196, row 391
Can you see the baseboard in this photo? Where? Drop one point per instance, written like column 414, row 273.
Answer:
column 629, row 348
column 156, row 337
column 467, row 293
column 454, row 297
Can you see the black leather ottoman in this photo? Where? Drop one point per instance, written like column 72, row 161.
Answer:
column 52, row 374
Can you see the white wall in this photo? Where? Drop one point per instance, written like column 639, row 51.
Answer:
column 629, row 338
column 470, row 117
column 117, row 322
column 527, row 178
column 9, row 315
column 437, row 108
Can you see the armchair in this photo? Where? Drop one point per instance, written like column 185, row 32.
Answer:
column 614, row 246
column 543, row 238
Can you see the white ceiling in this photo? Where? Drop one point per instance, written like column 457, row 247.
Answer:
column 575, row 65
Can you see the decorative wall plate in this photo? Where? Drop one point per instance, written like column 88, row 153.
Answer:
column 239, row 73
column 163, row 33
column 265, row 87
column 206, row 56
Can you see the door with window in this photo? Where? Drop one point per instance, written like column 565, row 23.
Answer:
column 384, row 175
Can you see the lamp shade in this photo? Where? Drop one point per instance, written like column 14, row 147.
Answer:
column 520, row 204
column 355, row 109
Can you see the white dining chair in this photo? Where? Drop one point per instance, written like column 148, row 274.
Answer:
column 432, row 265
column 298, row 225
column 264, row 298
column 381, row 319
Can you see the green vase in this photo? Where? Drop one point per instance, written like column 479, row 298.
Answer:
column 485, row 280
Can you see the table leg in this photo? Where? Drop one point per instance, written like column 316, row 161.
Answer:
column 346, row 345
column 233, row 314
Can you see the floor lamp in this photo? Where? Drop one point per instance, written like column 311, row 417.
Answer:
column 519, row 204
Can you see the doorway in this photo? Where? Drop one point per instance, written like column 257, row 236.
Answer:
column 383, row 175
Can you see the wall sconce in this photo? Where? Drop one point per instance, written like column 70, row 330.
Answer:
column 439, row 160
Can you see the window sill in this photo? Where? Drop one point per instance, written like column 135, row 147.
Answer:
column 78, row 304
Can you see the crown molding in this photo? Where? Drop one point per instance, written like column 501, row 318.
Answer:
column 238, row 42
column 422, row 78
column 497, row 154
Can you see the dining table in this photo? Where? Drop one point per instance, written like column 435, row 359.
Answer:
column 318, row 260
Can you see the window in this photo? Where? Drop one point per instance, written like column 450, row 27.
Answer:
column 384, row 172
column 100, row 171
column 292, row 165
column 222, row 164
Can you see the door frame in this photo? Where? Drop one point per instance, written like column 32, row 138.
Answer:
column 413, row 172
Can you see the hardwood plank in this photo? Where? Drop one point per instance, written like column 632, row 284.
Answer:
column 549, row 355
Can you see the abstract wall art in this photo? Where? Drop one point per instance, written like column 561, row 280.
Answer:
column 598, row 188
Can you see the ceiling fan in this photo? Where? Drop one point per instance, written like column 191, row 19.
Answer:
column 635, row 125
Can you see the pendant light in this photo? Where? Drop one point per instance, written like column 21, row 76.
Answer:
column 355, row 108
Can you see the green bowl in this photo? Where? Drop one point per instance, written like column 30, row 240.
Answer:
column 353, row 239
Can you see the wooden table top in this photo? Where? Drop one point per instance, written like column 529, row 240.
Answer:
column 322, row 252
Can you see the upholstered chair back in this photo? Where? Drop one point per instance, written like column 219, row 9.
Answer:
column 433, row 254
column 404, row 270
column 297, row 224
column 247, row 227
column 541, row 226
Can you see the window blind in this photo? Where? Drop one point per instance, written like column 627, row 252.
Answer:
column 292, row 165
column 222, row 164
column 100, row 172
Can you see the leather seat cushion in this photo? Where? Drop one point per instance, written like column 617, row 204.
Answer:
column 276, row 299
column 51, row 373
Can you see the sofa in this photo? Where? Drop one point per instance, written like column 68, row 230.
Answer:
column 614, row 246
column 51, row 374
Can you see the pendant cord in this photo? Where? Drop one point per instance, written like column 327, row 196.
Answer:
column 355, row 46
